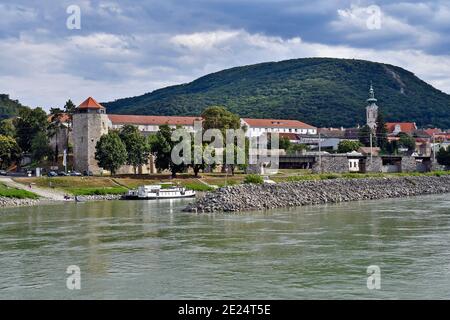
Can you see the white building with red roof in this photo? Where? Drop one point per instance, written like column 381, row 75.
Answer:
column 257, row 127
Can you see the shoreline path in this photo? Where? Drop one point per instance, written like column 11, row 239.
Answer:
column 51, row 194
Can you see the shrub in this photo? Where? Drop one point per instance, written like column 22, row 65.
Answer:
column 254, row 178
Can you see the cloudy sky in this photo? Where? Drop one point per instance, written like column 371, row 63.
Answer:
column 127, row 48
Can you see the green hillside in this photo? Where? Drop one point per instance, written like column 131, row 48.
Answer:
column 319, row 91
column 8, row 107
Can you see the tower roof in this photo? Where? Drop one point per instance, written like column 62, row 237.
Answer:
column 371, row 95
column 90, row 103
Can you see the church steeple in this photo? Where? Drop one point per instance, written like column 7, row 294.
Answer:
column 372, row 109
column 371, row 95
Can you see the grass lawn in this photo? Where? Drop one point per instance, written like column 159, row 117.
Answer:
column 117, row 185
column 8, row 192
column 77, row 185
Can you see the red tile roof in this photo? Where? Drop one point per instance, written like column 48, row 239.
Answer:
column 433, row 131
column 277, row 123
column 90, row 103
column 152, row 120
column 406, row 127
column 290, row 136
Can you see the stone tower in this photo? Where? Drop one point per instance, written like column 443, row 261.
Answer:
column 90, row 122
column 371, row 110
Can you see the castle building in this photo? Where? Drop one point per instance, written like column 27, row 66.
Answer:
column 90, row 122
column 371, row 110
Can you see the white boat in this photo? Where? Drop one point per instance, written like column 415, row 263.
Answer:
column 155, row 191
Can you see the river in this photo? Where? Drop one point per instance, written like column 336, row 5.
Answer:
column 153, row 250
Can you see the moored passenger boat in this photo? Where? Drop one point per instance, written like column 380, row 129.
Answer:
column 155, row 191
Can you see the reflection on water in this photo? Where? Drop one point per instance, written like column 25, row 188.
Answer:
column 150, row 249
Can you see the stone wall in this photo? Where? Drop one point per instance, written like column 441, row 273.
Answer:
column 374, row 165
column 331, row 163
column 408, row 164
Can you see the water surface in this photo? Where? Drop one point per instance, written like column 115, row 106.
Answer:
column 150, row 249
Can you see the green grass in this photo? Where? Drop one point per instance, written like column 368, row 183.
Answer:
column 96, row 191
column 197, row 186
column 326, row 176
column 16, row 193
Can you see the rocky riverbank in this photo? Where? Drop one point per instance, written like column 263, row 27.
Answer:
column 6, row 202
column 14, row 202
column 250, row 197
column 99, row 197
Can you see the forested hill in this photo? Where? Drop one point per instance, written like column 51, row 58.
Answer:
column 319, row 91
column 8, row 107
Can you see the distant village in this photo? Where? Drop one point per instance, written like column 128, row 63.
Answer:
column 375, row 147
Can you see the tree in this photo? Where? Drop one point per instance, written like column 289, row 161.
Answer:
column 364, row 136
column 28, row 124
column 110, row 152
column 69, row 109
column 9, row 151
column 284, row 143
column 381, row 133
column 7, row 128
column 443, row 156
column 346, row 146
column 217, row 117
column 161, row 147
column 297, row 147
column 56, row 124
column 138, row 149
column 406, row 141
column 40, row 147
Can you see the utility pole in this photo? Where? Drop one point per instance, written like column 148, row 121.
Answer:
column 371, row 161
column 320, row 154
column 434, row 148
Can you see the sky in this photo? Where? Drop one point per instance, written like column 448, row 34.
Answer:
column 127, row 48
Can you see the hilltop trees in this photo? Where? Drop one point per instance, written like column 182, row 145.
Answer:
column 7, row 128
column 110, row 152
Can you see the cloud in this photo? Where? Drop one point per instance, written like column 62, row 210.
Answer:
column 131, row 47
column 110, row 66
column 360, row 26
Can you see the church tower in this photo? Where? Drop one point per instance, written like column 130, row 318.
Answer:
column 90, row 122
column 371, row 110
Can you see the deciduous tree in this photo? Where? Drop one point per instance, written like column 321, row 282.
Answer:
column 9, row 151
column 110, row 152
column 138, row 149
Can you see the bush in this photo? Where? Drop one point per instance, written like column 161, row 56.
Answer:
column 254, row 178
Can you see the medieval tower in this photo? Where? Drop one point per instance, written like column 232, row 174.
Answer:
column 371, row 110
column 90, row 122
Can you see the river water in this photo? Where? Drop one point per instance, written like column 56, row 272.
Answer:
column 150, row 249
